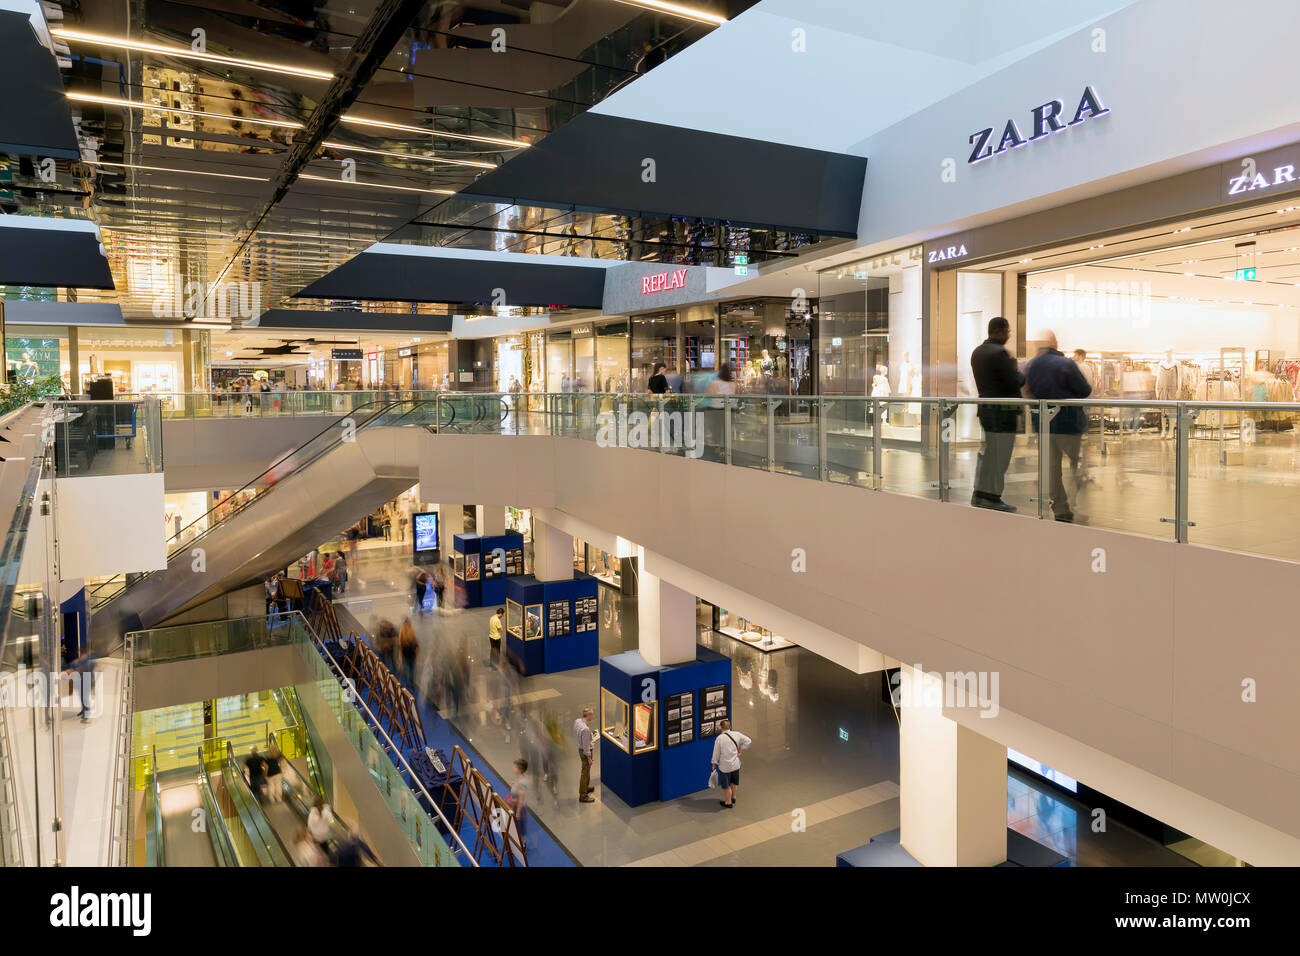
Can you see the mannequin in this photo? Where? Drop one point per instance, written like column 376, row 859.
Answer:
column 880, row 384
column 905, row 374
column 1168, row 380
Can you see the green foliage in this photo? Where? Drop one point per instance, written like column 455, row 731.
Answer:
column 17, row 394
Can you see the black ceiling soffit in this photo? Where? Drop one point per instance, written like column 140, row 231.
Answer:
column 34, row 115
column 460, row 281
column 52, row 257
column 596, row 163
column 336, row 321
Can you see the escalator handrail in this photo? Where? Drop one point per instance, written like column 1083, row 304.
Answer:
column 277, row 854
column 218, row 831
column 160, row 843
column 178, row 542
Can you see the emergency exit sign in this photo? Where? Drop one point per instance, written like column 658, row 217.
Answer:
column 1245, row 275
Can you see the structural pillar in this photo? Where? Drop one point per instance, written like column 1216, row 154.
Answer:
column 666, row 628
column 490, row 520
column 552, row 552
column 953, row 782
column 74, row 362
column 451, row 522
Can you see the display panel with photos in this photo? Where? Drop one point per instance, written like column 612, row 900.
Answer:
column 494, row 564
column 613, row 719
column 515, row 561
column 471, row 567
column 679, row 719
column 645, row 726
column 557, row 618
column 715, row 707
column 586, row 614
column 533, row 622
column 514, row 618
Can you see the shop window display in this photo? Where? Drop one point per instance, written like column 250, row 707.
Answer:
column 750, row 632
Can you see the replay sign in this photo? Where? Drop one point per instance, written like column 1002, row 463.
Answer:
column 1044, row 121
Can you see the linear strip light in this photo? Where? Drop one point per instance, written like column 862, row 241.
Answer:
column 409, row 189
column 478, row 164
column 178, row 134
column 677, row 10
column 186, row 53
column 426, row 131
column 186, row 172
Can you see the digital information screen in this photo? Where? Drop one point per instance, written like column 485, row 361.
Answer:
column 425, row 525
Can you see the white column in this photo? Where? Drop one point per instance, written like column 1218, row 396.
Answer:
column 552, row 552
column 490, row 520
column 451, row 522
column 666, row 627
column 953, row 782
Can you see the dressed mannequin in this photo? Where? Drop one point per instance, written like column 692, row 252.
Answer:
column 905, row 374
column 1168, row 382
column 880, row 384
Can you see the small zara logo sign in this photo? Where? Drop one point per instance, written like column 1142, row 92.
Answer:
column 1252, row 179
column 1046, row 120
column 952, row 252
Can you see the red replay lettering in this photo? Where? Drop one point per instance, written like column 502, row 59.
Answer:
column 661, row 281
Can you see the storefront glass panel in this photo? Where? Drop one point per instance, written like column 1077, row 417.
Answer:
column 654, row 339
column 611, row 357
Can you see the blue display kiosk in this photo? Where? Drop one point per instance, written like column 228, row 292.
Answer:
column 657, row 724
column 481, row 565
column 552, row 625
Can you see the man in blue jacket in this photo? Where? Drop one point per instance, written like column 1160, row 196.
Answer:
column 1052, row 375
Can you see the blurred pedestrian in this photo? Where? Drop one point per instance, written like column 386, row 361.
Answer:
column 274, row 774
column 255, row 766
column 408, row 649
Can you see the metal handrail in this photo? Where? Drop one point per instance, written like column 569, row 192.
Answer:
column 119, row 820
column 393, row 749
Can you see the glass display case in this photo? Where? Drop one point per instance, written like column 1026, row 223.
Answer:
column 458, row 565
column 613, row 719
column 514, row 618
column 533, row 622
column 644, row 725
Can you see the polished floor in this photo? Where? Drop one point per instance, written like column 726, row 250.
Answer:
column 821, row 777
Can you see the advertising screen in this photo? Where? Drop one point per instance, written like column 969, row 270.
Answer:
column 425, row 525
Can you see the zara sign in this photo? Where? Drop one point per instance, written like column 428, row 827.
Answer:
column 1044, row 121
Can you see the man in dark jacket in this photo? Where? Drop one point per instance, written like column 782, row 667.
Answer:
column 1053, row 375
column 996, row 376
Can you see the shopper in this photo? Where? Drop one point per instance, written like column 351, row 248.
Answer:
column 354, row 540
column 408, row 649
column 320, row 822
column 340, row 572
column 1053, row 376
column 996, row 376
column 439, row 580
column 494, row 636
column 728, row 745
column 582, row 732
column 274, row 774
column 1089, row 371
column 255, row 765
column 386, row 644
column 518, row 799
column 658, row 380
column 353, row 851
column 83, row 667
column 306, row 852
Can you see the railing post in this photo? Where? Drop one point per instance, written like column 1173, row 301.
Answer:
column 823, row 473
column 944, row 449
column 771, row 434
column 877, row 446
column 726, row 428
column 1044, row 449
column 1181, row 497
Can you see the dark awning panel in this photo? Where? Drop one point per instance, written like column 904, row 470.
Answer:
column 52, row 252
column 401, row 273
column 34, row 115
column 339, row 321
column 599, row 163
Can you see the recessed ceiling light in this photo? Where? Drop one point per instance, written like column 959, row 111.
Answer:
column 166, row 169
column 427, row 131
column 478, row 164
column 187, row 53
column 409, row 189
column 133, row 104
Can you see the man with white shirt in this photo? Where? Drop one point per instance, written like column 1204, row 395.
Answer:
column 727, row 748
column 582, row 732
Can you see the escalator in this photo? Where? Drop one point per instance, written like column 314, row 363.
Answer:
column 343, row 473
column 185, row 825
column 256, row 841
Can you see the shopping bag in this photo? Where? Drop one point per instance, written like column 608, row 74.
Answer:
column 713, row 780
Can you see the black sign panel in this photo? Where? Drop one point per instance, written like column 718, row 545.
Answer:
column 715, row 707
column 587, row 612
column 346, row 355
column 557, row 618
column 679, row 719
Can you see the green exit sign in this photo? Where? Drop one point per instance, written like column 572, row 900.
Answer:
column 844, row 734
column 1245, row 275
column 741, row 259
